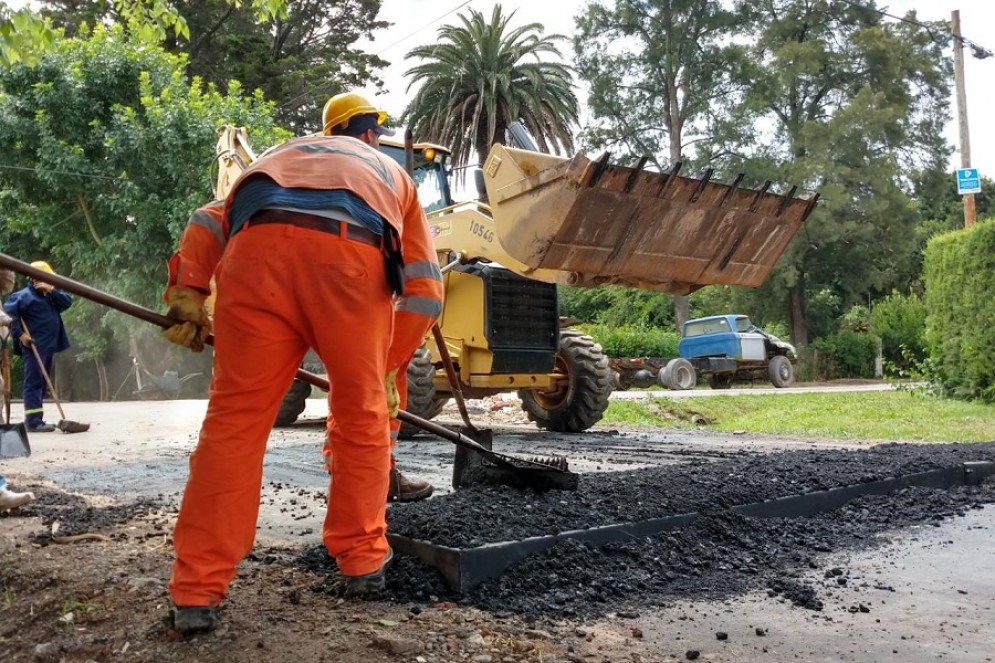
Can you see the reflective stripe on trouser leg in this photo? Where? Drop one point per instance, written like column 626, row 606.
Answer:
column 272, row 284
column 34, row 388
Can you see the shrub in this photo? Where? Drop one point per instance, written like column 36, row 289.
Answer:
column 846, row 354
column 634, row 341
column 900, row 321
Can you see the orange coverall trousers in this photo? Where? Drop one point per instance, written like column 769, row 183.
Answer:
column 283, row 289
column 401, row 382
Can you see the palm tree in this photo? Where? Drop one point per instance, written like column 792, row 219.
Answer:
column 479, row 77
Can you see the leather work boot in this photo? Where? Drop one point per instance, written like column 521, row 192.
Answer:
column 195, row 619
column 369, row 585
column 403, row 489
column 11, row 500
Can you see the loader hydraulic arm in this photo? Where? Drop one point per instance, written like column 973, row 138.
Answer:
column 234, row 155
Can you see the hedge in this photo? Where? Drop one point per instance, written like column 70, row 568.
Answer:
column 959, row 274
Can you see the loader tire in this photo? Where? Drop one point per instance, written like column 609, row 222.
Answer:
column 293, row 403
column 580, row 401
column 422, row 399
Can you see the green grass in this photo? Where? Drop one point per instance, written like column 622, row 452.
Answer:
column 894, row 415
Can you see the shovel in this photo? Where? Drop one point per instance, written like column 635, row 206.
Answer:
column 65, row 425
column 534, row 473
column 13, row 437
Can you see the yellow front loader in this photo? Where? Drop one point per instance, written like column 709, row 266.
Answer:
column 551, row 220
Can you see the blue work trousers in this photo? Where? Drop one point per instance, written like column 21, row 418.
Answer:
column 35, row 385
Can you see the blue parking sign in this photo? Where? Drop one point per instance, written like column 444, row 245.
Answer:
column 968, row 181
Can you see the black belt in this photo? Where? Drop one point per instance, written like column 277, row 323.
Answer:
column 319, row 223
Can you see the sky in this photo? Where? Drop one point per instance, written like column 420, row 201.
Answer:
column 416, row 23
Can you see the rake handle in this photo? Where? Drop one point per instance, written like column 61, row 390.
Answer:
column 148, row 315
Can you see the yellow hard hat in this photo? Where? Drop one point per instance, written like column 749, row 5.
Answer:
column 343, row 107
column 43, row 266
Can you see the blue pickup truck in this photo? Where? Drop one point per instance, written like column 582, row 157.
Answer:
column 725, row 349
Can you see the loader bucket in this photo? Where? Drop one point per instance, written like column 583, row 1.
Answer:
column 605, row 224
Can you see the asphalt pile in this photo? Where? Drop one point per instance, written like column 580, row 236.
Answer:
column 720, row 554
column 477, row 515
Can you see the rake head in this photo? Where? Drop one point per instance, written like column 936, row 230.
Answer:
column 535, row 473
column 67, row 426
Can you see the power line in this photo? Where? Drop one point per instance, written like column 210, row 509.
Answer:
column 416, row 31
column 302, row 95
column 977, row 50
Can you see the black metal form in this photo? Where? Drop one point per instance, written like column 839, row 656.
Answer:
column 465, row 568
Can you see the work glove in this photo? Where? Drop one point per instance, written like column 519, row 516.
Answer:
column 5, row 323
column 193, row 325
column 393, row 398
column 26, row 339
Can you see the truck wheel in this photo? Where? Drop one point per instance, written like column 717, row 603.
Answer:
column 680, row 375
column 622, row 380
column 781, row 372
column 293, row 403
column 720, row 380
column 579, row 402
column 422, row 400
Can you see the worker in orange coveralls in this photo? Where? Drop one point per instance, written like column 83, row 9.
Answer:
column 321, row 243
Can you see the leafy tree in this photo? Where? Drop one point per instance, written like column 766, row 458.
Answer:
column 22, row 34
column 298, row 58
column 657, row 69
column 843, row 102
column 25, row 33
column 105, row 150
column 480, row 76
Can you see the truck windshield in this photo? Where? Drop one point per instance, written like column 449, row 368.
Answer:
column 429, row 177
column 702, row 327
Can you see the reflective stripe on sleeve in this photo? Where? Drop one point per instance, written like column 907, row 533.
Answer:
column 426, row 306
column 209, row 223
column 424, row 269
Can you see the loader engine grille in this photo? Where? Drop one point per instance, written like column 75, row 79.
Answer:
column 522, row 320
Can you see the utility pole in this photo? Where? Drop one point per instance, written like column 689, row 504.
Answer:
column 970, row 213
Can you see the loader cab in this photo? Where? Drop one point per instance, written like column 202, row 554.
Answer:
column 430, row 174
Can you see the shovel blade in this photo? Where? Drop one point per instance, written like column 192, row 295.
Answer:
column 14, row 441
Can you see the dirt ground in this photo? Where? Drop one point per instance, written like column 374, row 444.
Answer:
column 917, row 591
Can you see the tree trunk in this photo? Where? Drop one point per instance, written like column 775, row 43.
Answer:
column 682, row 307
column 682, row 310
column 796, row 308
